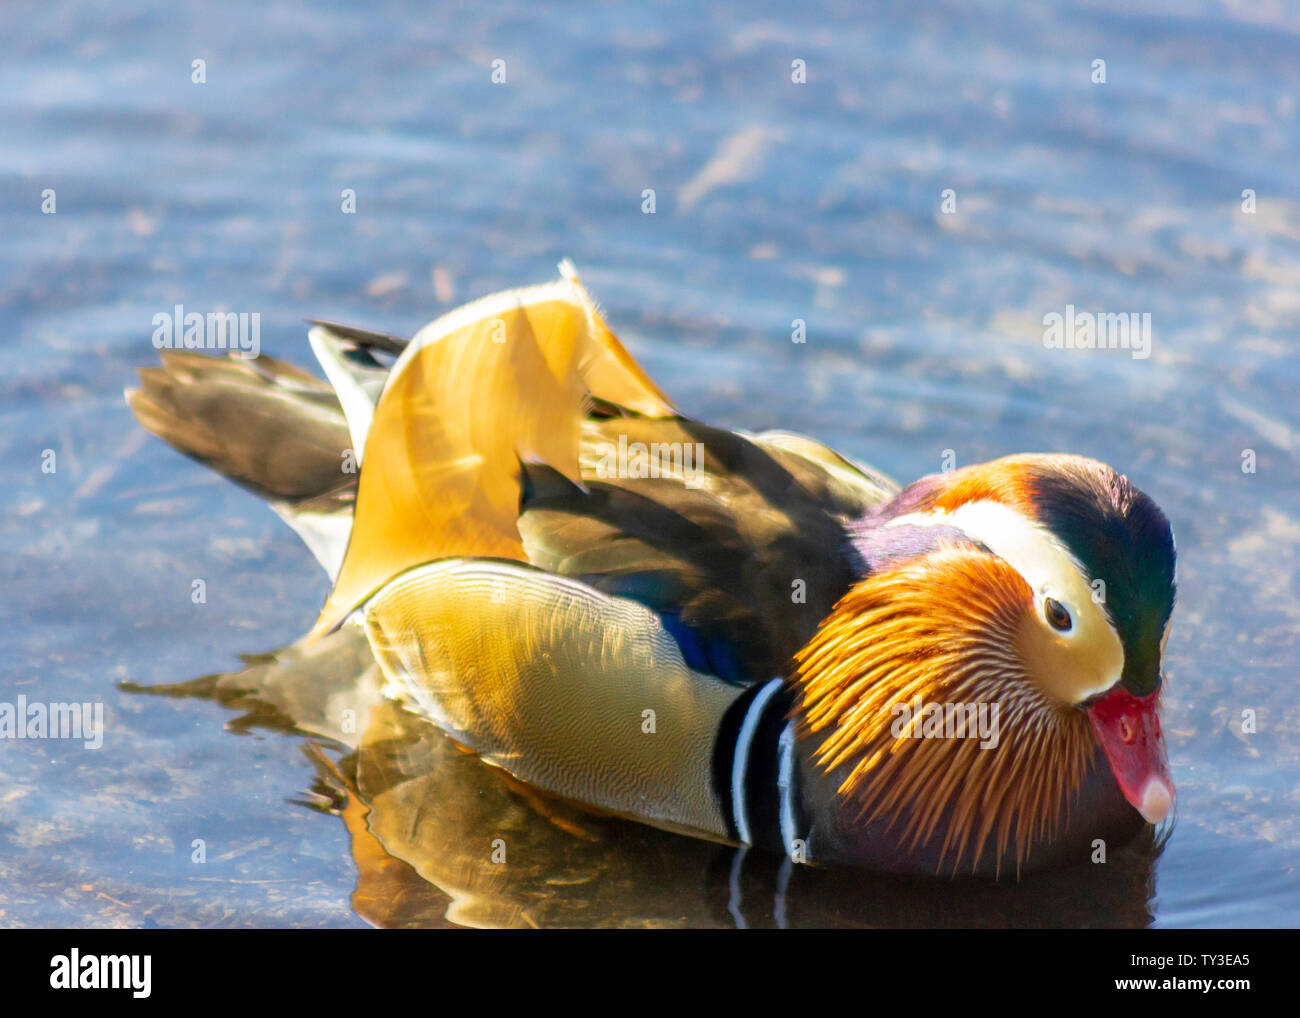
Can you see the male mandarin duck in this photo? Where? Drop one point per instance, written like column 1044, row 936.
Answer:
column 744, row 637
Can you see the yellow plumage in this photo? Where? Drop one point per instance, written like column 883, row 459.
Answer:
column 578, row 693
column 501, row 380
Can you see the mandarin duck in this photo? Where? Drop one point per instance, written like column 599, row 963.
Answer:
column 748, row 638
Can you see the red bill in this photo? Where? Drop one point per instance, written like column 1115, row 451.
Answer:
column 1128, row 729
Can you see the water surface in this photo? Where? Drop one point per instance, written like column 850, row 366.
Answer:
column 774, row 201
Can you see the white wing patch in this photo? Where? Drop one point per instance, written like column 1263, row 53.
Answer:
column 325, row 534
column 358, row 401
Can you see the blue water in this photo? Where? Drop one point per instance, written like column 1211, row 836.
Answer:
column 774, row 201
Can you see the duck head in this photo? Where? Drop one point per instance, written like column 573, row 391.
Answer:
column 989, row 689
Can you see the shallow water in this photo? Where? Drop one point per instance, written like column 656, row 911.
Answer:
column 775, row 201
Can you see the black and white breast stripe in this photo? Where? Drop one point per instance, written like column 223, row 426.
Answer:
column 754, row 770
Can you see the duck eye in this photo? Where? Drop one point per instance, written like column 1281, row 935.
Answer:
column 1057, row 615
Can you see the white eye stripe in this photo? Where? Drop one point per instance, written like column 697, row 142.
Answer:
column 1037, row 554
column 1041, row 558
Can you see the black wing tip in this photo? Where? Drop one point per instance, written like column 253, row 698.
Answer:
column 364, row 337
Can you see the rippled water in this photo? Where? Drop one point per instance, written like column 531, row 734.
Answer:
column 775, row 201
